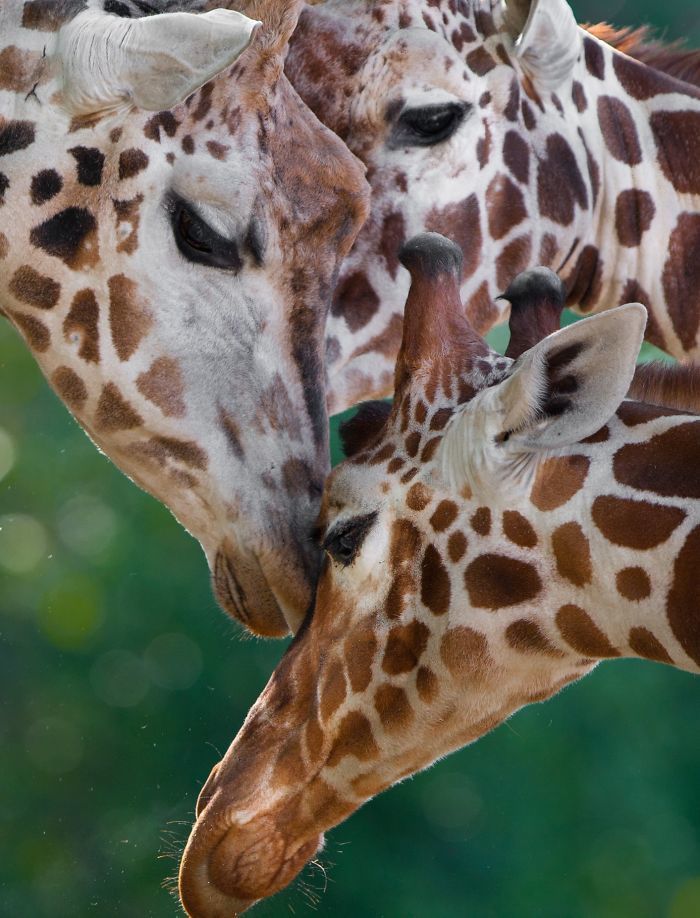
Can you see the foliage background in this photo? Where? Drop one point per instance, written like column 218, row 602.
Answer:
column 120, row 684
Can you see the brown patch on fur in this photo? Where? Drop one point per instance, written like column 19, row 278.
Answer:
column 497, row 582
column 129, row 213
column 517, row 529
column 633, row 583
column 129, row 319
column 634, row 213
column 637, row 524
column 394, row 708
column 404, row 647
column 666, row 464
column 580, row 631
column 525, row 636
column 83, row 320
column 354, row 737
column 435, row 582
column 464, row 651
column 644, row 644
column 558, row 480
column 572, row 553
column 681, row 278
column 70, row 387
column 35, row 332
column 114, row 412
column 163, row 385
column 456, row 546
column 34, row 289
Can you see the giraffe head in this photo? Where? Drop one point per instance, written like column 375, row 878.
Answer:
column 459, row 584
column 506, row 127
column 172, row 218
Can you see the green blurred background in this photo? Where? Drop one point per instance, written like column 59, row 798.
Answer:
column 121, row 684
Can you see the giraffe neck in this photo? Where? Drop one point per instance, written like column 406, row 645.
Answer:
column 640, row 126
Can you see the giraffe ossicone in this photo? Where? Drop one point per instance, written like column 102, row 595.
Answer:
column 524, row 137
column 511, row 525
column 171, row 270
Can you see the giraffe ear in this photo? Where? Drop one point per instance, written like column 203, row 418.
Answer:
column 570, row 384
column 549, row 41
column 154, row 63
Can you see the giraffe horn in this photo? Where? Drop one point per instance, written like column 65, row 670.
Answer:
column 435, row 325
column 154, row 63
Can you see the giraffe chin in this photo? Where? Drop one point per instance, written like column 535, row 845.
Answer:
column 246, row 864
column 244, row 592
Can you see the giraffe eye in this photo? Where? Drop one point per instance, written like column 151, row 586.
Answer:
column 428, row 125
column 198, row 242
column 344, row 542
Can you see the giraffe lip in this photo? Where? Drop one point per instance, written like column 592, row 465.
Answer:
column 237, row 868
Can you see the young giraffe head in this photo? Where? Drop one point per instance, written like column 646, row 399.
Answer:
column 510, row 129
column 168, row 252
column 508, row 526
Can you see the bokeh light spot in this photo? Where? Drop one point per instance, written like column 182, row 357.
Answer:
column 87, row 526
column 54, row 745
column 8, row 454
column 71, row 613
column 23, row 543
column 451, row 804
column 174, row 661
column 120, row 678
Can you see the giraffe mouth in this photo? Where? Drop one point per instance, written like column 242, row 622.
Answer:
column 226, row 875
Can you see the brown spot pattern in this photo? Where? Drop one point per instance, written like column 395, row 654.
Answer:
column 34, row 289
column 404, row 647
column 634, row 213
column 418, row 497
column 444, row 516
column 633, row 583
column 497, row 581
column 560, row 185
column 435, row 582
column 558, row 480
column 505, row 206
column 394, row 708
column 163, row 385
column 82, row 320
column 354, row 737
column 681, row 278
column 481, row 521
column 677, row 137
column 635, row 523
column 69, row 387
column 463, row 650
column 682, row 606
column 114, row 412
column 580, row 632
column 619, row 130
column 35, row 332
column 129, row 320
column 525, row 636
column 517, row 529
column 666, row 464
column 333, row 690
column 644, row 644
column 360, row 649
column 456, row 546
column 572, row 553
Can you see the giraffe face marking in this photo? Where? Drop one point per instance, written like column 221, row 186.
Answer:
column 179, row 264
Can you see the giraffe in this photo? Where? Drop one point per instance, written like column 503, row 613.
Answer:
column 495, row 534
column 524, row 137
column 172, row 218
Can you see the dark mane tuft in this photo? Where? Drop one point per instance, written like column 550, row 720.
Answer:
column 668, row 57
column 668, row 385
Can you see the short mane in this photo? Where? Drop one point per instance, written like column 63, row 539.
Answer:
column 674, row 386
column 668, row 57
